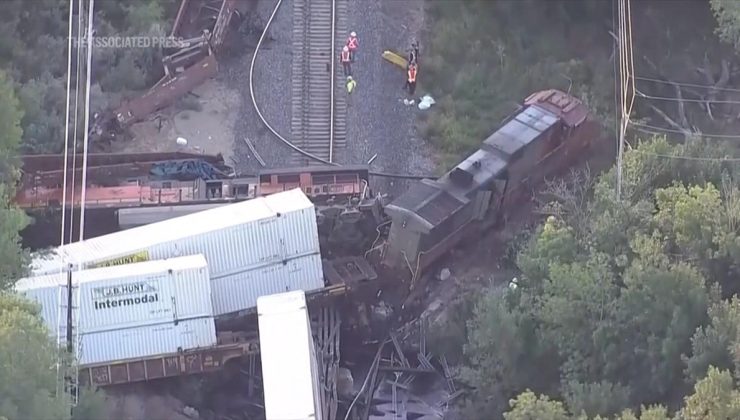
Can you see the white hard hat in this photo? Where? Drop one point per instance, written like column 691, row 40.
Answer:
column 345, row 49
column 349, row 77
column 353, row 33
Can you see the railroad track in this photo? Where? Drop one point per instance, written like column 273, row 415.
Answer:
column 337, row 132
column 319, row 105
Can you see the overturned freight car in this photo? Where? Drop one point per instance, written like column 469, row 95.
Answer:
column 548, row 133
column 290, row 371
column 258, row 247
column 132, row 311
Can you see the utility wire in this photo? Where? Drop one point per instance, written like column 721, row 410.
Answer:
column 66, row 122
column 86, row 134
column 696, row 85
column 699, row 134
column 670, row 98
column 628, row 83
column 75, row 124
column 696, row 158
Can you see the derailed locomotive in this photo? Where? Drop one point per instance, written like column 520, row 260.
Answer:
column 546, row 135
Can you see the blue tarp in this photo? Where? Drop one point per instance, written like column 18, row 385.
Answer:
column 186, row 170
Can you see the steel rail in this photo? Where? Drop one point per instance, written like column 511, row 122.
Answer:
column 333, row 75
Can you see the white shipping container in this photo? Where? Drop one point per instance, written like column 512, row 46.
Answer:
column 146, row 341
column 133, row 295
column 289, row 369
column 241, row 290
column 234, row 238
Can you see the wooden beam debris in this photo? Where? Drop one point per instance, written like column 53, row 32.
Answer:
column 254, row 152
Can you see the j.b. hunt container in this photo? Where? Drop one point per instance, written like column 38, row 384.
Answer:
column 130, row 311
column 263, row 235
column 290, row 374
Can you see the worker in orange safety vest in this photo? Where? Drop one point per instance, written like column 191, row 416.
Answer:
column 345, row 59
column 352, row 45
column 411, row 79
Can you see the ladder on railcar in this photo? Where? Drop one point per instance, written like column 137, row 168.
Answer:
column 69, row 341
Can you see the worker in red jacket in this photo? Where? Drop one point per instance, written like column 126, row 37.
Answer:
column 411, row 79
column 352, row 45
column 344, row 57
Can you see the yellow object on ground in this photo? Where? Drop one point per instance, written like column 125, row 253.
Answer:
column 395, row 58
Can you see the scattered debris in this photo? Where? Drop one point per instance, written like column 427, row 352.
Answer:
column 372, row 159
column 182, row 141
column 254, row 152
column 190, row 412
column 445, row 274
column 426, row 102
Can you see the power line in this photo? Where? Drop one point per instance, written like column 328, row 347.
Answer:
column 696, row 85
column 671, row 130
column 627, row 91
column 86, row 134
column 697, row 158
column 78, row 72
column 670, row 98
column 66, row 121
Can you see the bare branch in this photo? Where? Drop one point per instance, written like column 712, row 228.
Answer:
column 686, row 132
column 706, row 71
column 681, row 106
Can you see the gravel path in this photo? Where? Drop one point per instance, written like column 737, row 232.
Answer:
column 377, row 120
column 272, row 73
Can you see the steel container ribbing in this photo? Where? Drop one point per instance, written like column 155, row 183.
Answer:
column 45, row 291
column 286, row 353
column 234, row 236
column 146, row 341
column 174, row 289
column 127, row 296
column 241, row 291
column 250, row 246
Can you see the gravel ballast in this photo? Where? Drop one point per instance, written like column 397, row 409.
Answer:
column 377, row 120
column 272, row 73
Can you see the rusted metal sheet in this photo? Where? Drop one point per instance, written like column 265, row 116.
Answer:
column 222, row 23
column 348, row 270
column 167, row 93
column 178, row 19
column 104, row 176
column 165, row 366
column 105, row 197
column 571, row 110
column 37, row 163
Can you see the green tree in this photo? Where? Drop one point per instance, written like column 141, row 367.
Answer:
column 528, row 406
column 617, row 290
column 596, row 399
column 727, row 13
column 27, row 365
column 11, row 133
column 502, row 354
column 43, row 100
column 715, row 344
column 27, row 359
column 12, row 219
column 715, row 397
